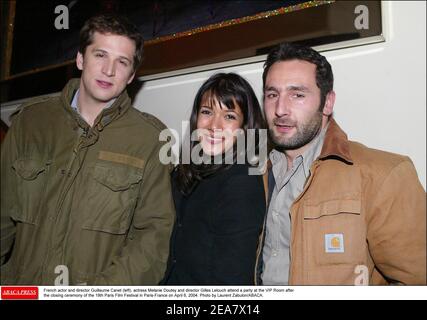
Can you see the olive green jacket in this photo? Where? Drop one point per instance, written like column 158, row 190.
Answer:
column 93, row 202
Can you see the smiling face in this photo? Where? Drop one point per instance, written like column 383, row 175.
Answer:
column 292, row 104
column 217, row 125
column 107, row 68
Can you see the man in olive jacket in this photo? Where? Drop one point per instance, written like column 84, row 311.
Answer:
column 84, row 197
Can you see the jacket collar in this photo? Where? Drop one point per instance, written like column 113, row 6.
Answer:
column 336, row 144
column 118, row 108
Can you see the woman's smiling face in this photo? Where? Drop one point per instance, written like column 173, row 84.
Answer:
column 217, row 125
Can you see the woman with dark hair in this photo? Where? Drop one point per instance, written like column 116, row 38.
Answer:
column 219, row 207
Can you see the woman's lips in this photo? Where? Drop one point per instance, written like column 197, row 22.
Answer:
column 104, row 84
column 213, row 140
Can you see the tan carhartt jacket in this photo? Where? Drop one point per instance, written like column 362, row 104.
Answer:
column 361, row 219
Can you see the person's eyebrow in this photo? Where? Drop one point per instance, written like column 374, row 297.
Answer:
column 231, row 111
column 99, row 50
column 106, row 52
column 271, row 88
column 297, row 88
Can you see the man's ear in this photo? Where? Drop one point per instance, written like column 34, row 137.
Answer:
column 329, row 104
column 79, row 61
column 131, row 77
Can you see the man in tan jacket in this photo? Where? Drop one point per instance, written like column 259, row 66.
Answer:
column 340, row 213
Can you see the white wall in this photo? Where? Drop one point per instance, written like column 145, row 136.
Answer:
column 381, row 88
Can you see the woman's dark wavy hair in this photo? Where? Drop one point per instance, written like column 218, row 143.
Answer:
column 229, row 89
column 290, row 51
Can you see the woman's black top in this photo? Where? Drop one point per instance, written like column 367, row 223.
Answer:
column 216, row 231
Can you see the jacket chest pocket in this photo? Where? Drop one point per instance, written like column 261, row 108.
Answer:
column 334, row 232
column 112, row 198
column 32, row 178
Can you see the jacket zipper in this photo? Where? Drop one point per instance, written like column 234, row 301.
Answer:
column 62, row 198
column 306, row 186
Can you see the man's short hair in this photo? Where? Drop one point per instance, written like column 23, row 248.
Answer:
column 288, row 51
column 114, row 24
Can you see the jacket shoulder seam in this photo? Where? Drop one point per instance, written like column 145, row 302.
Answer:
column 151, row 120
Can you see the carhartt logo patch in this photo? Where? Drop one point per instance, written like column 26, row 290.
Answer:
column 334, row 243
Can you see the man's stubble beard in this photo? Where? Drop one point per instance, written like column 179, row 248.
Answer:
column 304, row 134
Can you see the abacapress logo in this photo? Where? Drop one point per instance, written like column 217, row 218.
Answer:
column 18, row 293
